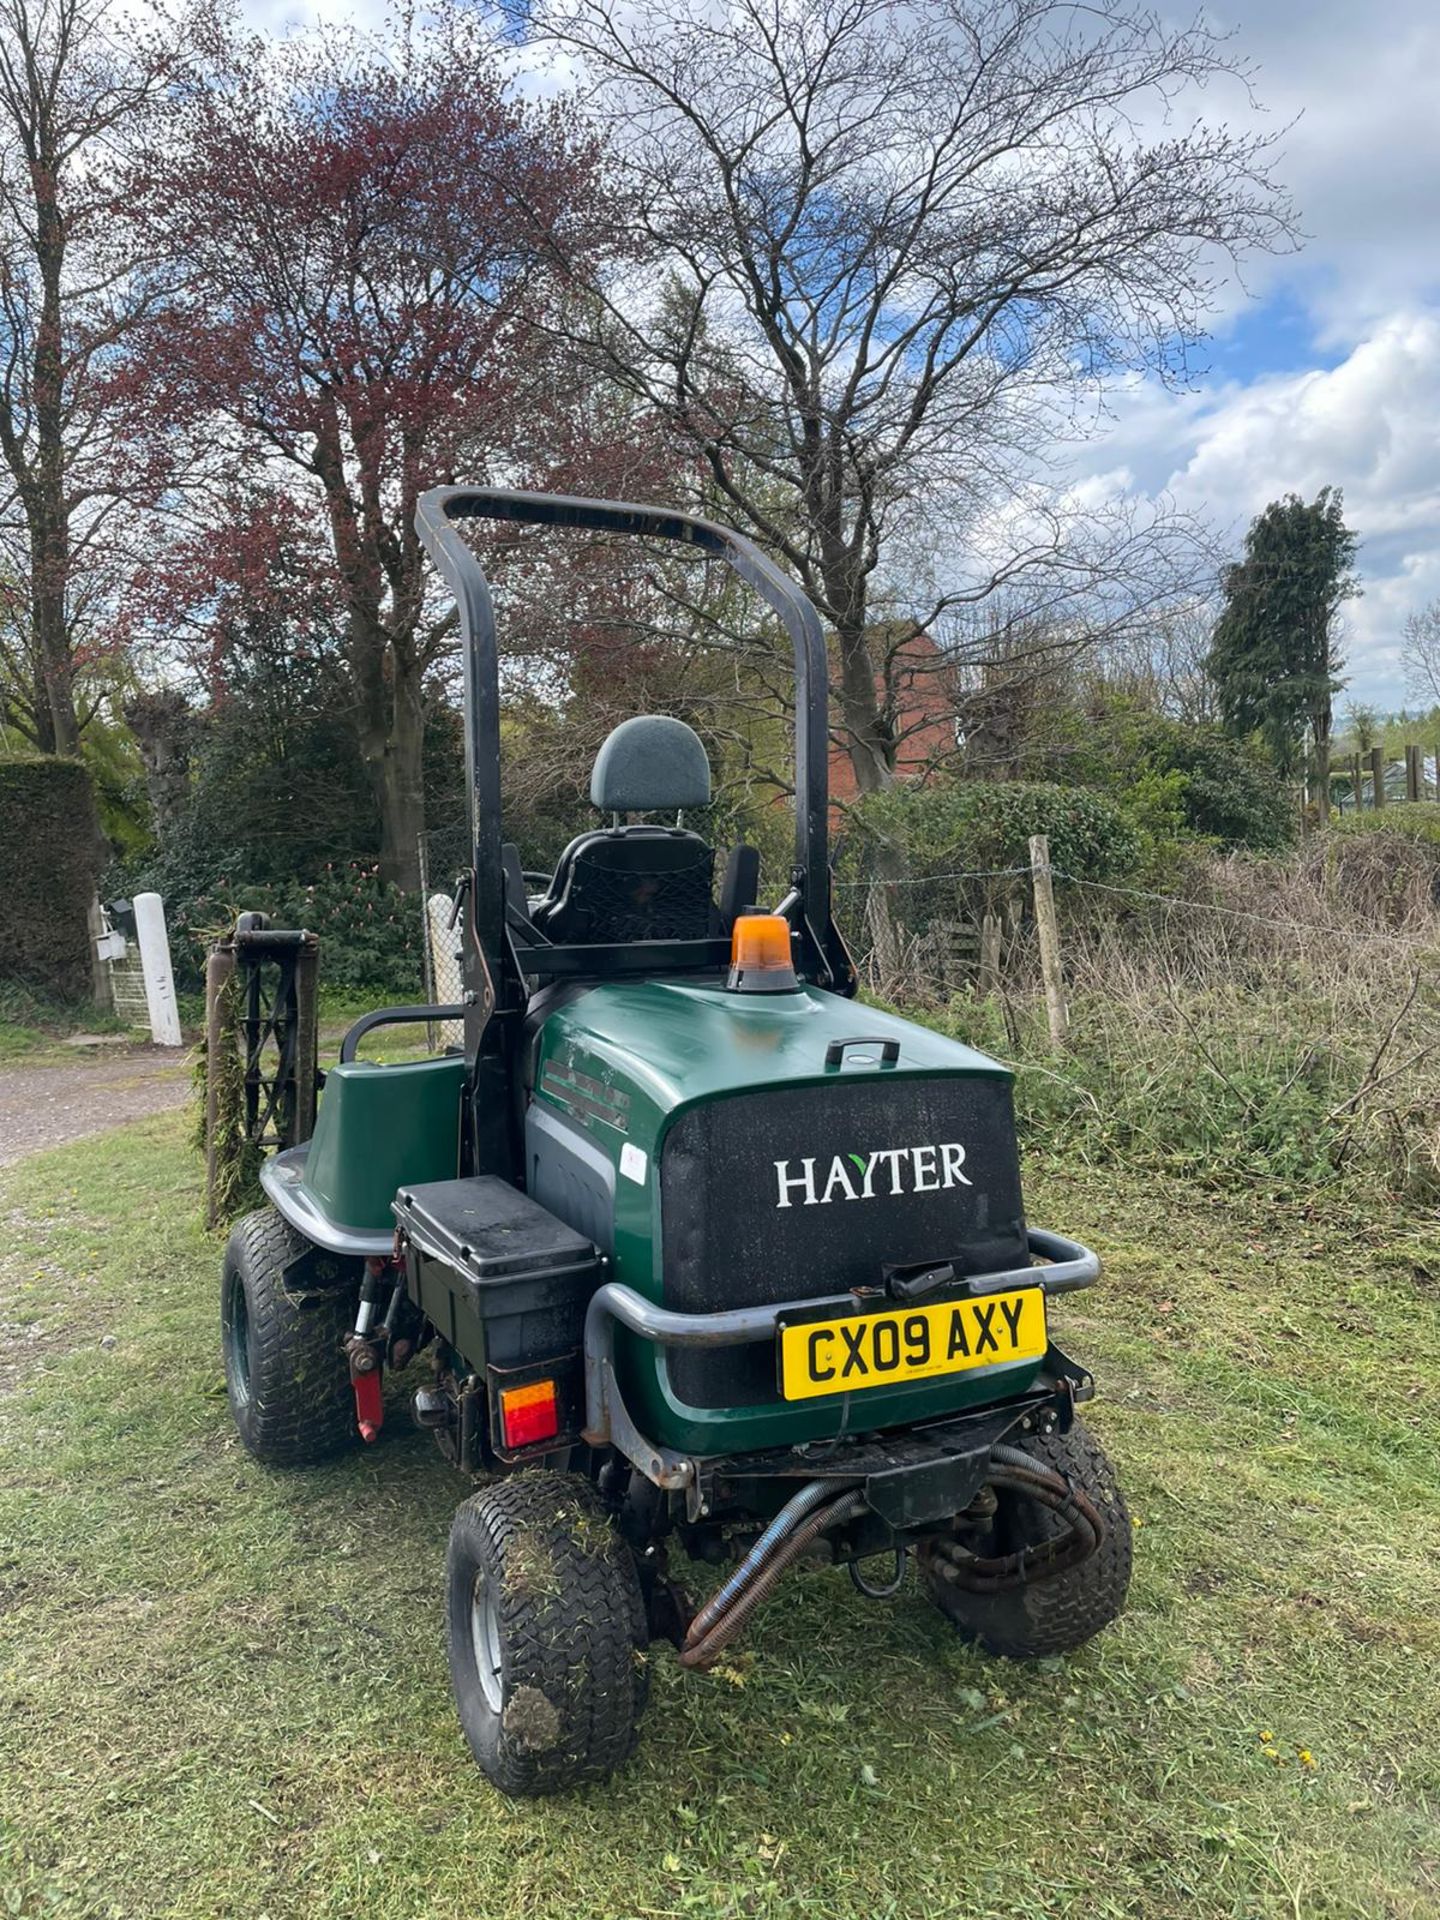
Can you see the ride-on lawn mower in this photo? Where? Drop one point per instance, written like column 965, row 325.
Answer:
column 698, row 1252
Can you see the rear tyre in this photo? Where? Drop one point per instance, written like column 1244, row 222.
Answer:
column 285, row 1373
column 547, row 1634
column 1059, row 1614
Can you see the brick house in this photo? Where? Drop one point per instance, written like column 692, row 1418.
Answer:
column 923, row 692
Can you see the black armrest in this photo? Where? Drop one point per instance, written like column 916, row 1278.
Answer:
column 741, row 886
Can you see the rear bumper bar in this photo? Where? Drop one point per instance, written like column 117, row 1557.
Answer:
column 607, row 1420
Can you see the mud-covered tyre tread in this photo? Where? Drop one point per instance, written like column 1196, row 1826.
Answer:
column 1052, row 1616
column 300, row 1407
column 576, row 1635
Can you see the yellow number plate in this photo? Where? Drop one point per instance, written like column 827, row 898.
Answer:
column 887, row 1349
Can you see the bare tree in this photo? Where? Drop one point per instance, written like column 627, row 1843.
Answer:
column 1420, row 652
column 81, row 86
column 888, row 256
column 1016, row 676
column 1161, row 663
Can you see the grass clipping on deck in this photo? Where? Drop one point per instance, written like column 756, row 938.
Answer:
column 232, row 1158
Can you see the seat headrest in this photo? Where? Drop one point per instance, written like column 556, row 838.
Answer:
column 650, row 764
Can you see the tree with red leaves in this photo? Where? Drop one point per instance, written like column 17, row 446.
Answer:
column 371, row 226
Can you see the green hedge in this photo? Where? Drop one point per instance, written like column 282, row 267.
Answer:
column 50, row 857
column 983, row 825
column 1178, row 781
column 1417, row 820
column 371, row 939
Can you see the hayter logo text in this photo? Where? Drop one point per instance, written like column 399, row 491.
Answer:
column 868, row 1176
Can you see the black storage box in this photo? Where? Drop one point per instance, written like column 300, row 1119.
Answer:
column 505, row 1282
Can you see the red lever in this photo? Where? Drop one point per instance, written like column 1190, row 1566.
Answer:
column 369, row 1403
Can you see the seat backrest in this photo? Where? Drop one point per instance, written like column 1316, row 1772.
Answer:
column 651, row 764
column 622, row 884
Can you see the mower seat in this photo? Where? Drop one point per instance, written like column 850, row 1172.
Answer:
column 619, row 884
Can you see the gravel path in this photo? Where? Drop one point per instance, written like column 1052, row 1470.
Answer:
column 46, row 1106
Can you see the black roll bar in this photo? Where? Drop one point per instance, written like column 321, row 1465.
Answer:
column 435, row 518
column 488, row 967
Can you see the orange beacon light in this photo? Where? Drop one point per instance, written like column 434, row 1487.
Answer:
column 760, row 957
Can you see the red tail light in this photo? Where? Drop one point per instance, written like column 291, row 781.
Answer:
column 528, row 1414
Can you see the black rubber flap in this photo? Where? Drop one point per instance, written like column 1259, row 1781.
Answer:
column 489, row 1228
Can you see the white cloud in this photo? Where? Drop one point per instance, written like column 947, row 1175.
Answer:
column 1367, row 425
column 1356, row 91
column 1358, row 405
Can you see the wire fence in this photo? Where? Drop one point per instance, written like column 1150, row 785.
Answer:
column 1273, row 1018
column 1173, row 902
column 1266, row 1017
column 955, row 902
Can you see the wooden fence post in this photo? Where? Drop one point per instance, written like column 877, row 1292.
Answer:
column 1357, row 784
column 1049, row 930
column 989, row 953
column 1377, row 776
column 1412, row 773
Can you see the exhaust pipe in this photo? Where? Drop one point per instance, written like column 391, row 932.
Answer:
column 802, row 1519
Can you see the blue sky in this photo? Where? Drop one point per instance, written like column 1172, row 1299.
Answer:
column 1267, row 336
column 1324, row 367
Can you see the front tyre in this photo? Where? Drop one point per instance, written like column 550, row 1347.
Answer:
column 285, row 1373
column 547, row 1631
column 1055, row 1615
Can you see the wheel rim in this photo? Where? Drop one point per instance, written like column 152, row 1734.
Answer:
column 237, row 1340
column 485, row 1638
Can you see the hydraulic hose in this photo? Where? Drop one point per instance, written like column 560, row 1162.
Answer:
column 1021, row 1473
column 794, row 1510
column 702, row 1650
column 1007, row 1456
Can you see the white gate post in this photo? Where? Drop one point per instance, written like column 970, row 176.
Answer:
column 155, row 962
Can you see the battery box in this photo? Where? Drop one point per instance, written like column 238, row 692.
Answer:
column 503, row 1280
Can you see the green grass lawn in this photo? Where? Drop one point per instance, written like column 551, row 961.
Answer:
column 41, row 1041
column 33, row 1033
column 223, row 1691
